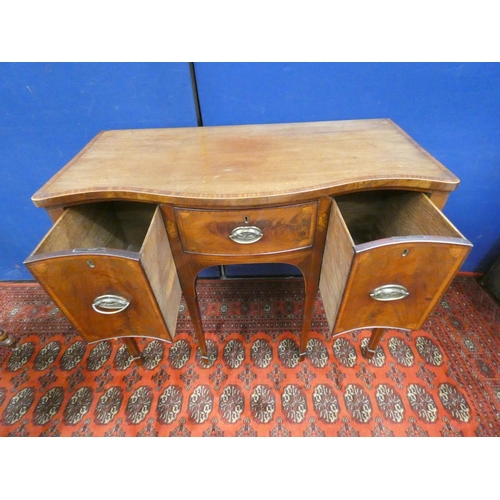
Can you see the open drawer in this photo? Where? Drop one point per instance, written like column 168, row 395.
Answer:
column 389, row 257
column 109, row 268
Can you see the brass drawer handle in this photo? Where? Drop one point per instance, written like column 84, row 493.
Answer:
column 246, row 234
column 110, row 304
column 389, row 292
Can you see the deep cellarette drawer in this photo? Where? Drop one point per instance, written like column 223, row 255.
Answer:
column 109, row 268
column 389, row 257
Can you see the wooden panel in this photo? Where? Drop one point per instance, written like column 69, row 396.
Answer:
column 284, row 229
column 159, row 266
column 115, row 225
column 376, row 215
column 425, row 269
column 413, row 214
column 245, row 164
column 439, row 198
column 110, row 239
column 73, row 285
column 400, row 238
column 307, row 260
column 90, row 228
column 55, row 213
column 337, row 259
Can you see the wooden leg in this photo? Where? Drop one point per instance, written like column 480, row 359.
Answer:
column 194, row 312
column 311, row 269
column 311, row 281
column 310, row 297
column 188, row 284
column 188, row 268
column 133, row 348
column 370, row 349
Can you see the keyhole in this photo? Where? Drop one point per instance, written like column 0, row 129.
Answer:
column 90, row 264
column 246, row 220
column 405, row 252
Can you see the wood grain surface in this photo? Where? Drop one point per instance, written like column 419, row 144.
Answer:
column 398, row 239
column 121, row 249
column 245, row 165
column 362, row 187
column 284, row 228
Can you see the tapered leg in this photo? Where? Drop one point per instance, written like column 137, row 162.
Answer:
column 194, row 312
column 188, row 284
column 133, row 348
column 311, row 268
column 188, row 267
column 375, row 338
column 310, row 297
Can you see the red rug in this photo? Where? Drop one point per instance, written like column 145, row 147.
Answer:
column 441, row 381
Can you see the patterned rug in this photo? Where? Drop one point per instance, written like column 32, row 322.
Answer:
column 441, row 381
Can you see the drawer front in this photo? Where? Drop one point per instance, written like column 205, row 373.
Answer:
column 247, row 232
column 110, row 270
column 104, row 296
column 396, row 284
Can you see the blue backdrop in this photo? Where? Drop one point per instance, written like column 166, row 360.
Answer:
column 50, row 111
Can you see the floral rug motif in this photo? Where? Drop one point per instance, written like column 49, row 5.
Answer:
column 440, row 381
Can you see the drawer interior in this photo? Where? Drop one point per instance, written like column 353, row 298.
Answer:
column 374, row 215
column 114, row 225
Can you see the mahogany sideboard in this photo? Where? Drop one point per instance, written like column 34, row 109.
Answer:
column 355, row 205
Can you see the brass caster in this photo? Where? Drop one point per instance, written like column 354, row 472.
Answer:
column 6, row 340
column 368, row 353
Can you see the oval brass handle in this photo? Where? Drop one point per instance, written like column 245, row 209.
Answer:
column 110, row 304
column 246, row 234
column 389, row 292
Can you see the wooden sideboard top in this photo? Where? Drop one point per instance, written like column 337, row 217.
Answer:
column 245, row 165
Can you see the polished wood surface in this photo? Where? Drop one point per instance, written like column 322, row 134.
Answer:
column 87, row 254
column 425, row 271
column 337, row 260
column 284, row 228
column 374, row 215
column 307, row 260
column 401, row 239
column 159, row 267
column 116, row 225
column 245, row 165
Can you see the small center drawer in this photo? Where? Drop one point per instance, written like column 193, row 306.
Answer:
column 247, row 232
column 109, row 268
